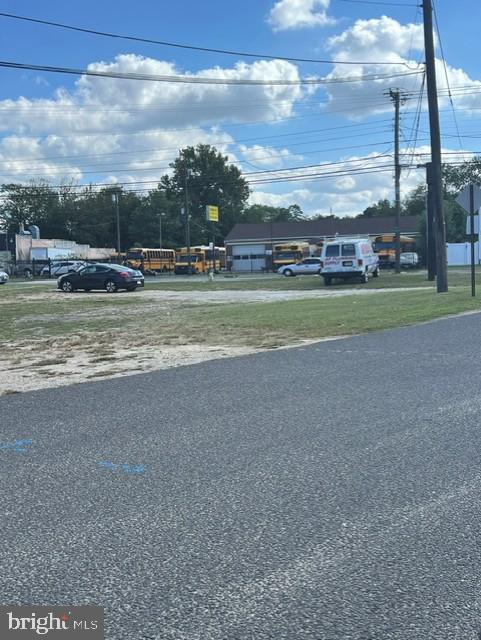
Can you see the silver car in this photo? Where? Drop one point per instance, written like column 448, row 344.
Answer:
column 3, row 277
column 409, row 260
column 303, row 267
column 62, row 267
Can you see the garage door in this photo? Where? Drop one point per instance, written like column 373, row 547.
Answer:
column 248, row 257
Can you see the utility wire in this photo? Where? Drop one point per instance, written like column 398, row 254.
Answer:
column 198, row 79
column 386, row 4
column 181, row 46
column 461, row 144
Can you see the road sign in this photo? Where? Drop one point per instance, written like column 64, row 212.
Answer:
column 470, row 200
column 464, row 198
column 212, row 213
column 476, row 226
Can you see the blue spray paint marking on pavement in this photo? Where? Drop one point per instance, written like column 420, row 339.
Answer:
column 123, row 468
column 19, row 446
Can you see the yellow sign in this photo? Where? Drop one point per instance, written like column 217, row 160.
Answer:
column 212, row 213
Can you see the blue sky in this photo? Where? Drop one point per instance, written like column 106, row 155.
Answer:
column 105, row 130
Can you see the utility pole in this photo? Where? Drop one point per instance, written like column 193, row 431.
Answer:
column 395, row 95
column 430, row 235
column 160, row 229
column 187, row 220
column 439, row 224
column 115, row 198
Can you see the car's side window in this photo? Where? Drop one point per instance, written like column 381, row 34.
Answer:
column 87, row 271
column 101, row 269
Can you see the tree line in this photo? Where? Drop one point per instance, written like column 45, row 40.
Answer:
column 88, row 214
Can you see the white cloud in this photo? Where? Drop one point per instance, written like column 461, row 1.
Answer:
column 299, row 14
column 378, row 39
column 385, row 39
column 135, row 124
column 373, row 41
column 344, row 195
column 280, row 199
column 267, row 156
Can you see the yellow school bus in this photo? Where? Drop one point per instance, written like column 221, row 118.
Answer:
column 289, row 254
column 199, row 260
column 158, row 260
column 385, row 247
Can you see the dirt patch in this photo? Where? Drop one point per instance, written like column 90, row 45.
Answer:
column 70, row 338
column 80, row 366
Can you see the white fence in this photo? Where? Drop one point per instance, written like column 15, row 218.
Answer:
column 459, row 253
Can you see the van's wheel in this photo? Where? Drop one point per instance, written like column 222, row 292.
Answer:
column 364, row 278
column 288, row 273
column 327, row 282
column 110, row 286
column 67, row 286
column 376, row 273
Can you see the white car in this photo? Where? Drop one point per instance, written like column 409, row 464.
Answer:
column 409, row 260
column 347, row 259
column 3, row 277
column 303, row 267
column 60, row 268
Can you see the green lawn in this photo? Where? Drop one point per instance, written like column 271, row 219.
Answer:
column 277, row 323
column 25, row 319
column 387, row 279
column 26, row 313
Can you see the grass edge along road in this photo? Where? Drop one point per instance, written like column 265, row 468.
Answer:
column 60, row 343
column 279, row 323
column 255, row 324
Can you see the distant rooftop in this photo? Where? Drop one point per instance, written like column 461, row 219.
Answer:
column 318, row 229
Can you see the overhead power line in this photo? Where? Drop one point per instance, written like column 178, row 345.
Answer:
column 177, row 45
column 461, row 145
column 199, row 79
column 386, row 4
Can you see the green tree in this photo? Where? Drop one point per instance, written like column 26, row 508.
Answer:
column 265, row 213
column 211, row 180
column 34, row 203
column 455, row 178
column 382, row 208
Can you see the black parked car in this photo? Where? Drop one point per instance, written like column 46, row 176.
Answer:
column 110, row 277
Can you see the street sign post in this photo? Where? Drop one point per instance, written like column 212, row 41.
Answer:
column 212, row 216
column 470, row 200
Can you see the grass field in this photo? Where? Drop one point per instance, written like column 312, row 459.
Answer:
column 388, row 279
column 92, row 335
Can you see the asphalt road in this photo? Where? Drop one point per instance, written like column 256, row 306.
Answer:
column 329, row 492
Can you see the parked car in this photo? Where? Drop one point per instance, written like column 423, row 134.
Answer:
column 303, row 267
column 110, row 277
column 409, row 260
column 349, row 259
column 59, row 268
column 3, row 277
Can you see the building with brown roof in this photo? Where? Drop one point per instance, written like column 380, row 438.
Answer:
column 249, row 246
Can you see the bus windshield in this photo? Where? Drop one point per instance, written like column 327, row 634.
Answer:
column 289, row 255
column 184, row 257
column 134, row 255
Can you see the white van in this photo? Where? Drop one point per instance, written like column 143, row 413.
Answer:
column 348, row 258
